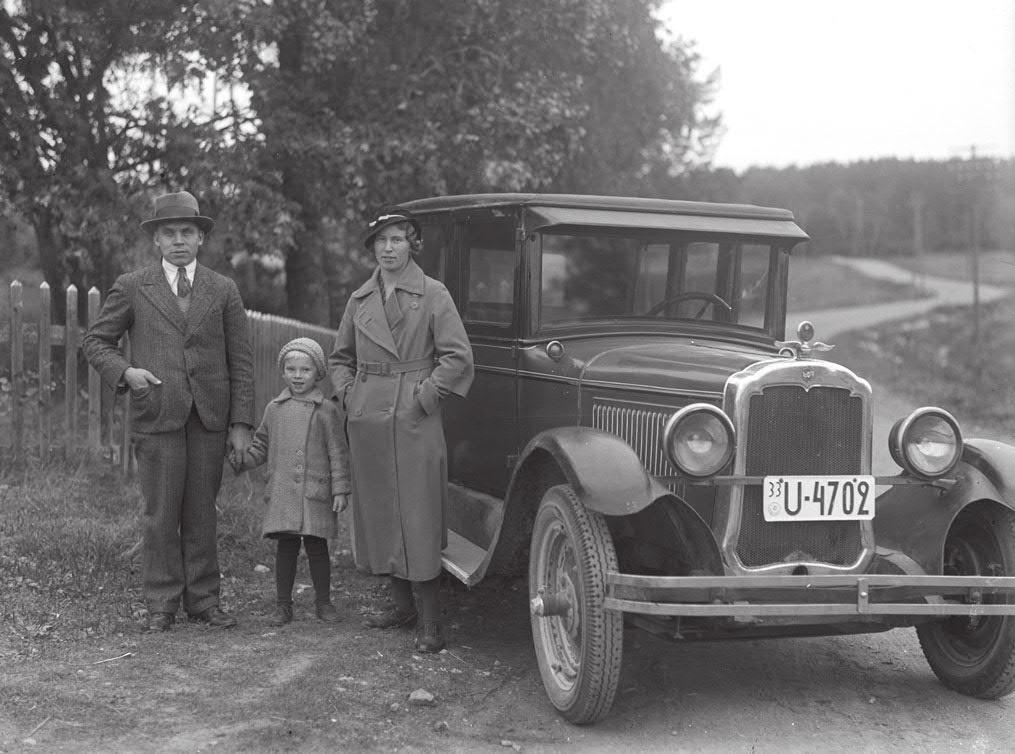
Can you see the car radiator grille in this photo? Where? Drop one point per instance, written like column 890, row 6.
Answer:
column 795, row 431
column 640, row 428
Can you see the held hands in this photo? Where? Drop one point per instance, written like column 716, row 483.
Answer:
column 239, row 442
column 340, row 502
column 138, row 379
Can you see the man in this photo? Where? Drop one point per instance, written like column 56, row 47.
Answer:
column 401, row 349
column 190, row 377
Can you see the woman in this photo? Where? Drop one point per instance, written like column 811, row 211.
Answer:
column 400, row 350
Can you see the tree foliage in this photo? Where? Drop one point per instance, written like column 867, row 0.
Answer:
column 362, row 104
column 78, row 141
column 891, row 206
column 293, row 119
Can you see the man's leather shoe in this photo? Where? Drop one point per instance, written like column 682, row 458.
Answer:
column 213, row 616
column 160, row 621
column 391, row 618
column 328, row 613
column 430, row 637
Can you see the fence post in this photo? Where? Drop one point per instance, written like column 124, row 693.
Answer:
column 17, row 368
column 45, row 370
column 94, row 384
column 71, row 370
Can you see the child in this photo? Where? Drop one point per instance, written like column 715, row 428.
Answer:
column 303, row 440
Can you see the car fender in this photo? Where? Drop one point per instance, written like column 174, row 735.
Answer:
column 602, row 469
column 915, row 518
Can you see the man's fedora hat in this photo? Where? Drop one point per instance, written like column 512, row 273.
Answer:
column 390, row 217
column 178, row 207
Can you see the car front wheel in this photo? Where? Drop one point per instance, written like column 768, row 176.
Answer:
column 578, row 644
column 976, row 655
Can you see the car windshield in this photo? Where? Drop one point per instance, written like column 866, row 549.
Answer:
column 596, row 275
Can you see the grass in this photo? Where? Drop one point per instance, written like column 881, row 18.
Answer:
column 934, row 359
column 820, row 283
column 65, row 568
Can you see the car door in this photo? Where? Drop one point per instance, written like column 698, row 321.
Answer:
column 482, row 431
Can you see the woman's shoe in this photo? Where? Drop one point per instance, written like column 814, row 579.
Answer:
column 283, row 614
column 391, row 618
column 430, row 637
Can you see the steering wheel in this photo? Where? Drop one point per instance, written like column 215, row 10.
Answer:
column 708, row 298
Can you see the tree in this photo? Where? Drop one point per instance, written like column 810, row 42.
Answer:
column 361, row 104
column 79, row 140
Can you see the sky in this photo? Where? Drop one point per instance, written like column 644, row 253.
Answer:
column 808, row 81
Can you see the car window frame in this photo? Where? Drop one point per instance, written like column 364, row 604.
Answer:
column 775, row 288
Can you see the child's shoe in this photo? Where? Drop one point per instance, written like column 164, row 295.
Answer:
column 328, row 613
column 283, row 614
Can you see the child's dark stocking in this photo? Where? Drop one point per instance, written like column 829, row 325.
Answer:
column 285, row 567
column 320, row 567
column 287, row 548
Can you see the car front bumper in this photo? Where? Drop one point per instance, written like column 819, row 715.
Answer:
column 824, row 595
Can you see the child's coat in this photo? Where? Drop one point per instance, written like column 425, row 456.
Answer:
column 302, row 438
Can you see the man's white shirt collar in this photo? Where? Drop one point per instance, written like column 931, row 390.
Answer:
column 171, row 272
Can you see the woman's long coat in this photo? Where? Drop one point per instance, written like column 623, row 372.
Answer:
column 302, row 440
column 393, row 362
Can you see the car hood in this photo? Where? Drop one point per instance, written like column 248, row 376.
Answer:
column 683, row 366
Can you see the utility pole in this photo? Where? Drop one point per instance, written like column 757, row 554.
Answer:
column 918, row 200
column 976, row 177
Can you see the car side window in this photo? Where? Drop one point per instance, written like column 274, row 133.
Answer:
column 491, row 260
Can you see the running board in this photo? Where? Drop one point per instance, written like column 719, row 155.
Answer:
column 463, row 559
column 474, row 520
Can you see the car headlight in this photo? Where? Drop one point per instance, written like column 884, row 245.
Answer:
column 927, row 443
column 699, row 440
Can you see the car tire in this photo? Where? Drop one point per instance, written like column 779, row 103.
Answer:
column 976, row 655
column 579, row 651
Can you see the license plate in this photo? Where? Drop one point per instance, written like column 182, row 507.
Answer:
column 818, row 498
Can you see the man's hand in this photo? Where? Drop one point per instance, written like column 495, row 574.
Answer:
column 239, row 441
column 139, row 379
column 340, row 502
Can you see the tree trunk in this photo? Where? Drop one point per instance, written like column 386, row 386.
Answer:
column 49, row 249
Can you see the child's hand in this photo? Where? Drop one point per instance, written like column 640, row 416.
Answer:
column 235, row 461
column 339, row 502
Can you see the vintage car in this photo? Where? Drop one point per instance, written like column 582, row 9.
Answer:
column 641, row 432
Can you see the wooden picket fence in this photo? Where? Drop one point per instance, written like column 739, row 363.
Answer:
column 44, row 417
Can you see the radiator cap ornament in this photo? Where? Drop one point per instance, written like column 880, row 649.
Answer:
column 803, row 348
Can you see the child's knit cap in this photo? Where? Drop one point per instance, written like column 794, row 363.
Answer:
column 310, row 347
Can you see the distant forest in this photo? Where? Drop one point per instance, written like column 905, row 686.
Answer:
column 892, row 207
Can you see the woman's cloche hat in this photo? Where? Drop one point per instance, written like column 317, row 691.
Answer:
column 390, row 217
column 180, row 206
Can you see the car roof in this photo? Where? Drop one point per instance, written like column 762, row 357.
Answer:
column 546, row 210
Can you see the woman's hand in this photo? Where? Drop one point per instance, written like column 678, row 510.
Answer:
column 339, row 502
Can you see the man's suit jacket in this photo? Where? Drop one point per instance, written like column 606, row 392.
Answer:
column 204, row 357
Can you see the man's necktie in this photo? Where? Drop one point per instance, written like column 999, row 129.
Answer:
column 182, row 283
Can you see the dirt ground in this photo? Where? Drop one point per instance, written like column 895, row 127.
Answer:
column 313, row 687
